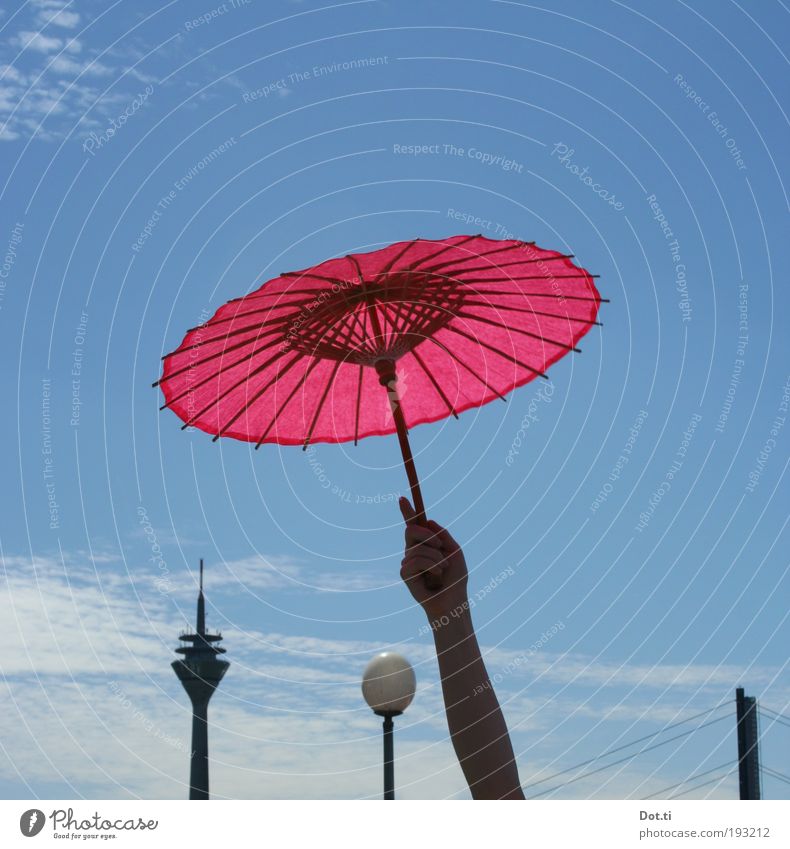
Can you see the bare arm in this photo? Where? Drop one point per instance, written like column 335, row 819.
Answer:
column 477, row 727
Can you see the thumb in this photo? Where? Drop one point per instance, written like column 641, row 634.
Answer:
column 445, row 537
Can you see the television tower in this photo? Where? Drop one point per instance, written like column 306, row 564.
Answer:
column 200, row 671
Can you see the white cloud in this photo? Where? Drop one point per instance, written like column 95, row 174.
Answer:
column 288, row 720
column 7, row 134
column 62, row 71
column 10, row 74
column 55, row 12
column 37, row 41
column 67, row 65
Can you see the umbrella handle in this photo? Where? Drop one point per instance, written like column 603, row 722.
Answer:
column 388, row 379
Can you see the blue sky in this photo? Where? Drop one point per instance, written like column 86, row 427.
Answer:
column 159, row 159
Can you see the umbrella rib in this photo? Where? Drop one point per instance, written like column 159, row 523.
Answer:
column 433, row 380
column 321, row 403
column 385, row 271
column 392, row 321
column 235, row 332
column 495, row 350
column 494, row 265
column 467, row 367
column 363, row 283
column 281, row 293
column 225, row 350
column 274, row 326
column 300, row 274
column 447, row 262
column 518, row 330
column 352, row 307
column 560, row 296
column 359, row 386
column 302, row 380
column 255, row 397
column 369, row 298
column 415, row 297
column 359, row 401
column 510, row 279
column 413, row 314
column 256, row 311
column 219, row 371
column 442, row 250
column 347, row 336
column 425, row 306
column 491, row 305
column 214, row 401
column 321, row 312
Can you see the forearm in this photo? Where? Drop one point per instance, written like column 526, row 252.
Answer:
column 477, row 727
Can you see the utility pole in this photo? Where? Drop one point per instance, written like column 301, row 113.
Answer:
column 200, row 672
column 748, row 745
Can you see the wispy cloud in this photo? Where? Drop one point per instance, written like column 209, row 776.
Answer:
column 52, row 80
column 58, row 13
column 27, row 40
column 92, row 706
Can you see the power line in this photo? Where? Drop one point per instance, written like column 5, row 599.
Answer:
column 621, row 760
column 687, row 780
column 776, row 774
column 775, row 717
column 778, row 713
column 623, row 746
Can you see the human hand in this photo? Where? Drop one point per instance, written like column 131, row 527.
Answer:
column 431, row 550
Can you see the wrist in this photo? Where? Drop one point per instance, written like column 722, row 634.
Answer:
column 441, row 609
column 454, row 625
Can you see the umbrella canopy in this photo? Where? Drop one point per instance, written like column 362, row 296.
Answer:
column 459, row 321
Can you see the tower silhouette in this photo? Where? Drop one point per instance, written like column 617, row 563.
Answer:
column 200, row 672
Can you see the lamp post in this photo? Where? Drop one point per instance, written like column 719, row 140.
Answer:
column 388, row 685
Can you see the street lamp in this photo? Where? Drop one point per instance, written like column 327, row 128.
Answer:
column 388, row 685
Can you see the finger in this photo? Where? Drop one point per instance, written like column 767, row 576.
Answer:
column 422, row 559
column 412, row 569
column 407, row 511
column 444, row 536
column 416, row 535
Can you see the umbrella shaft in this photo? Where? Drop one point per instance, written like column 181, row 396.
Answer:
column 389, row 380
column 408, row 459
